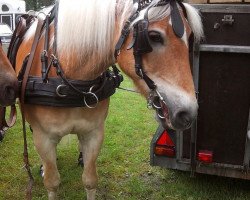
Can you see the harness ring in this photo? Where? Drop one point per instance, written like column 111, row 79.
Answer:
column 94, row 95
column 58, row 91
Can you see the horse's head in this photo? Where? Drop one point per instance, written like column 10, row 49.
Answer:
column 161, row 50
column 8, row 81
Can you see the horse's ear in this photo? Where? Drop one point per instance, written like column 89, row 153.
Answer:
column 142, row 44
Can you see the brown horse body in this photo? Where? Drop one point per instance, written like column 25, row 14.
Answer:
column 168, row 65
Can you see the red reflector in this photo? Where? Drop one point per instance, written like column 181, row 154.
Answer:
column 205, row 156
column 165, row 146
column 165, row 151
column 165, row 139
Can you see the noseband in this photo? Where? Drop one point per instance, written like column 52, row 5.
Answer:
column 141, row 42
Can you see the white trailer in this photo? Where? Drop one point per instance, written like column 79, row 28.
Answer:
column 10, row 10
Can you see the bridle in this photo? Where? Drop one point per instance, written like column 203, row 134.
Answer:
column 141, row 44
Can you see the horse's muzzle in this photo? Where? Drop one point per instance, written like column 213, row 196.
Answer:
column 8, row 93
column 175, row 114
column 183, row 118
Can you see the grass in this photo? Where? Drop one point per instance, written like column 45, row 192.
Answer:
column 123, row 164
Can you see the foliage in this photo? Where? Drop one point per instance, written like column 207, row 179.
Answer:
column 37, row 4
column 123, row 164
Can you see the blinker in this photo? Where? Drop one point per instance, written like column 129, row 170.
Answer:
column 142, row 44
column 177, row 23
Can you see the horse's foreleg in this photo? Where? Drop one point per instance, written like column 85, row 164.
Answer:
column 46, row 148
column 91, row 144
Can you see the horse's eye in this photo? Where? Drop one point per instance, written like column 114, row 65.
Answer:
column 155, row 37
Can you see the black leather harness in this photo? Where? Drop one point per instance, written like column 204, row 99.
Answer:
column 60, row 91
column 56, row 92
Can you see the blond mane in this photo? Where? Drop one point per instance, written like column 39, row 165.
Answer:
column 88, row 28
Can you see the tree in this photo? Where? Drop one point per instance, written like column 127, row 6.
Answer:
column 37, row 4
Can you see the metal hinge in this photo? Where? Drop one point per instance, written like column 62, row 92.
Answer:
column 228, row 19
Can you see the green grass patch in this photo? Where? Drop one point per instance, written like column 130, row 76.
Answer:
column 123, row 165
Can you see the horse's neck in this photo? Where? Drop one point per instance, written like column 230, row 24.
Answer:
column 83, row 55
column 87, row 70
column 81, row 66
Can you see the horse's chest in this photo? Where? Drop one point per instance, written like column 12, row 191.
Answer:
column 61, row 122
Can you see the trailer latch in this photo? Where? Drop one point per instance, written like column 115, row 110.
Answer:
column 228, row 20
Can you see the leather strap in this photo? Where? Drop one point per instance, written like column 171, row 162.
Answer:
column 40, row 25
column 23, row 25
column 124, row 34
column 44, row 55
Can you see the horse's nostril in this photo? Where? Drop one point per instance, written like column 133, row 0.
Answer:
column 10, row 93
column 184, row 118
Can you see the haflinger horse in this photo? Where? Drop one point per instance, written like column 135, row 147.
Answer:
column 8, row 81
column 150, row 42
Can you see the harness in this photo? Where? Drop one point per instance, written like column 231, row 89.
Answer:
column 57, row 91
column 60, row 91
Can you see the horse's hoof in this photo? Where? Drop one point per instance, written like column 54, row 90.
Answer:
column 41, row 171
column 80, row 160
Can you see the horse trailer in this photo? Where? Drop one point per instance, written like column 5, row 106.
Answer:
column 10, row 10
column 218, row 143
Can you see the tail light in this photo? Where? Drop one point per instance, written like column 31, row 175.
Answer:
column 165, row 145
column 205, row 156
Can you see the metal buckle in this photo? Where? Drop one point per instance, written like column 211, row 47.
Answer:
column 58, row 91
column 45, row 53
column 140, row 73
